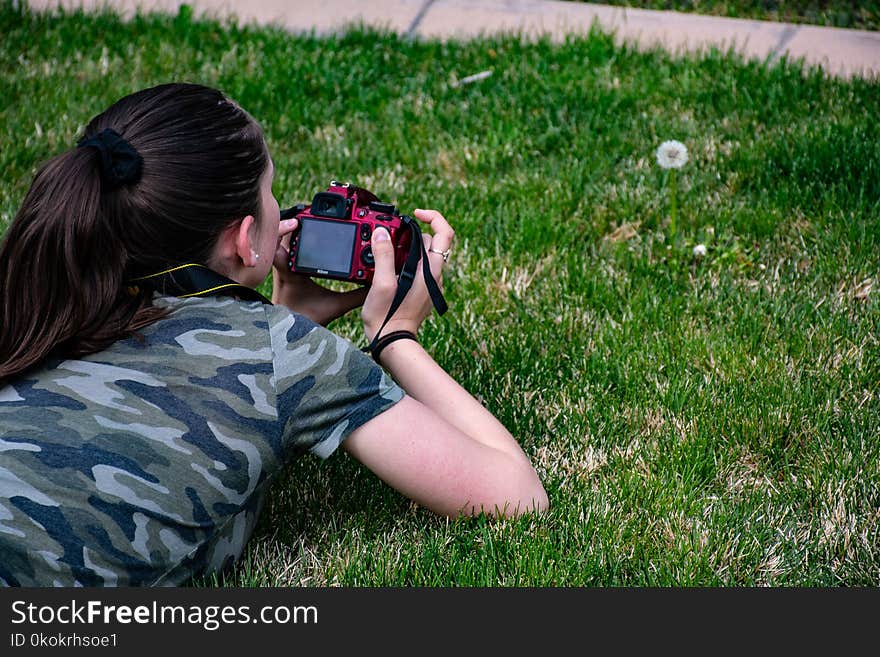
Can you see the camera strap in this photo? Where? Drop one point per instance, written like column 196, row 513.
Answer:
column 192, row 280
column 408, row 274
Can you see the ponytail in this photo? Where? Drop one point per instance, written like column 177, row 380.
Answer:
column 115, row 209
column 62, row 269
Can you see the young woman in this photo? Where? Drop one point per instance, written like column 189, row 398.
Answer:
column 139, row 429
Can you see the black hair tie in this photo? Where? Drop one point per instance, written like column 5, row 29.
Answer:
column 121, row 164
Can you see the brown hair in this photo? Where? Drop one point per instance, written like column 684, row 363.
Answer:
column 72, row 246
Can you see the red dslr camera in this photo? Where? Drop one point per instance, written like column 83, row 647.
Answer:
column 332, row 239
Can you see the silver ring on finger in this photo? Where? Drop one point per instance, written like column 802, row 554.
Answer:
column 445, row 254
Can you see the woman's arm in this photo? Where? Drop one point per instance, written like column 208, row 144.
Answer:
column 439, row 445
column 449, row 461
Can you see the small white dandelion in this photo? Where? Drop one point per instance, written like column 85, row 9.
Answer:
column 700, row 251
column 672, row 155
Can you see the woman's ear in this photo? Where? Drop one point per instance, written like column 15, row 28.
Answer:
column 235, row 247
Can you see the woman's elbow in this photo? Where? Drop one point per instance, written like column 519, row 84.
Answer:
column 532, row 498
column 520, row 493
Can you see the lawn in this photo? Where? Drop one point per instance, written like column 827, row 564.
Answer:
column 705, row 421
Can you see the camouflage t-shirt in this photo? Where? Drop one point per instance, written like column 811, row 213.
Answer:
column 147, row 463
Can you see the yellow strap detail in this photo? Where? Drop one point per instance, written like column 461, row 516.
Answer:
column 219, row 287
column 168, row 271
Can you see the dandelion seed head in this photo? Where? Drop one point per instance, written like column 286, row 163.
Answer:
column 699, row 250
column 672, row 155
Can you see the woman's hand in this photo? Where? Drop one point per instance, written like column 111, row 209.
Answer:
column 300, row 293
column 417, row 303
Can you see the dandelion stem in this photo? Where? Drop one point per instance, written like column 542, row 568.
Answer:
column 673, row 201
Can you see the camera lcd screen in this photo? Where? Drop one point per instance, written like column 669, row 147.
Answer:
column 326, row 246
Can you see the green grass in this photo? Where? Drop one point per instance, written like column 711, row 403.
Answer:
column 696, row 422
column 851, row 14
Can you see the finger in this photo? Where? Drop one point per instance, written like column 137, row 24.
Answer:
column 427, row 215
column 383, row 255
column 282, row 251
column 286, row 227
column 440, row 241
column 443, row 233
column 282, row 255
column 435, row 259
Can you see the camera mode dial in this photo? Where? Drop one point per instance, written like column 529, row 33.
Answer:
column 378, row 206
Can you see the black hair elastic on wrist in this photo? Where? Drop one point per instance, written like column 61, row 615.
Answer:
column 121, row 164
column 386, row 340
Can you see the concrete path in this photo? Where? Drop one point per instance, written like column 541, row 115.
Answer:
column 841, row 52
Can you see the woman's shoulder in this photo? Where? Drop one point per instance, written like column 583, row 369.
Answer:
column 217, row 309
column 220, row 326
column 202, row 346
column 227, row 313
